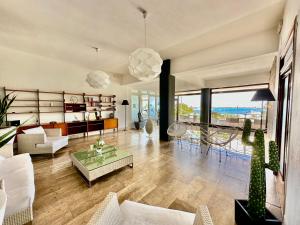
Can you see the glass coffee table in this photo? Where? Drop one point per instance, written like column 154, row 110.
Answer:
column 93, row 164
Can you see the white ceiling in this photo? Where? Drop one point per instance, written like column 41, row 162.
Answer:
column 66, row 29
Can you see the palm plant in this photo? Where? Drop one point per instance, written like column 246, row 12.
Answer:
column 5, row 103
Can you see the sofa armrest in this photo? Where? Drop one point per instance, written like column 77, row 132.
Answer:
column 108, row 212
column 53, row 132
column 203, row 216
column 28, row 142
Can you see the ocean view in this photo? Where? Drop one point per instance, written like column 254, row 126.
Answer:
column 232, row 110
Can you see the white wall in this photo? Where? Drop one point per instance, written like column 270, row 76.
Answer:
column 21, row 70
column 292, row 215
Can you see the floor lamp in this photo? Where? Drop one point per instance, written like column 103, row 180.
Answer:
column 125, row 103
column 263, row 95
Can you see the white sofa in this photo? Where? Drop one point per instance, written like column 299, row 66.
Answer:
column 41, row 141
column 3, row 200
column 132, row 213
column 17, row 172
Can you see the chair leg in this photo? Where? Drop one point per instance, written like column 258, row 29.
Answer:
column 208, row 149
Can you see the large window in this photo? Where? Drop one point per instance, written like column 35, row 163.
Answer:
column 187, row 107
column 145, row 105
column 152, row 107
column 230, row 107
column 146, row 102
column 134, row 107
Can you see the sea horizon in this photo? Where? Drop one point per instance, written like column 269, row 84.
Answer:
column 232, row 110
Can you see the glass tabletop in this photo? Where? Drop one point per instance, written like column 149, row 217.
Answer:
column 91, row 159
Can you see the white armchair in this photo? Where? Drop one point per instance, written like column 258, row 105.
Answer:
column 41, row 141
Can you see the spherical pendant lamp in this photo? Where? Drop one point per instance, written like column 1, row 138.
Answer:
column 145, row 63
column 98, row 79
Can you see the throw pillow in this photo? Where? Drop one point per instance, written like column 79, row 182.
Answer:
column 36, row 130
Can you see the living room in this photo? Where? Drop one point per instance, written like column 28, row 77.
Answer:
column 139, row 112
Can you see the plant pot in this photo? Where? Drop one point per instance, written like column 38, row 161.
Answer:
column 139, row 125
column 242, row 216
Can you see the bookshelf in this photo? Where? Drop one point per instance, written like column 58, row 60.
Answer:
column 71, row 110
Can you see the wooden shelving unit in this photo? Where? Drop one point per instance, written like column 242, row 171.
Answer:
column 45, row 102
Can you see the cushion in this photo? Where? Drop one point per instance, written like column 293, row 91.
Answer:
column 18, row 174
column 202, row 216
column 155, row 215
column 139, row 221
column 36, row 130
column 108, row 213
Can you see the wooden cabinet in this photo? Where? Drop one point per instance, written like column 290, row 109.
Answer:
column 63, row 127
column 95, row 125
column 71, row 107
column 111, row 123
column 77, row 127
column 69, row 128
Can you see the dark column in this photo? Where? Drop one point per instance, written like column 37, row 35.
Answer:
column 205, row 112
column 205, row 105
column 166, row 101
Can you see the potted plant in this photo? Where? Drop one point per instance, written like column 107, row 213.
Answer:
column 140, row 123
column 5, row 103
column 253, row 211
column 98, row 146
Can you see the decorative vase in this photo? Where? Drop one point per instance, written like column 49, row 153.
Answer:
column 99, row 150
column 149, row 127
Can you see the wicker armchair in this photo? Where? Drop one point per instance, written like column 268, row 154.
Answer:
column 133, row 213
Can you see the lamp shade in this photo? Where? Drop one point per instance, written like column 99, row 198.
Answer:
column 98, row 79
column 263, row 95
column 125, row 102
column 145, row 64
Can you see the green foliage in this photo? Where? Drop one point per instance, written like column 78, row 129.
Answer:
column 256, row 203
column 5, row 138
column 217, row 116
column 184, row 109
column 257, row 187
column 273, row 157
column 4, row 106
column 246, row 132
